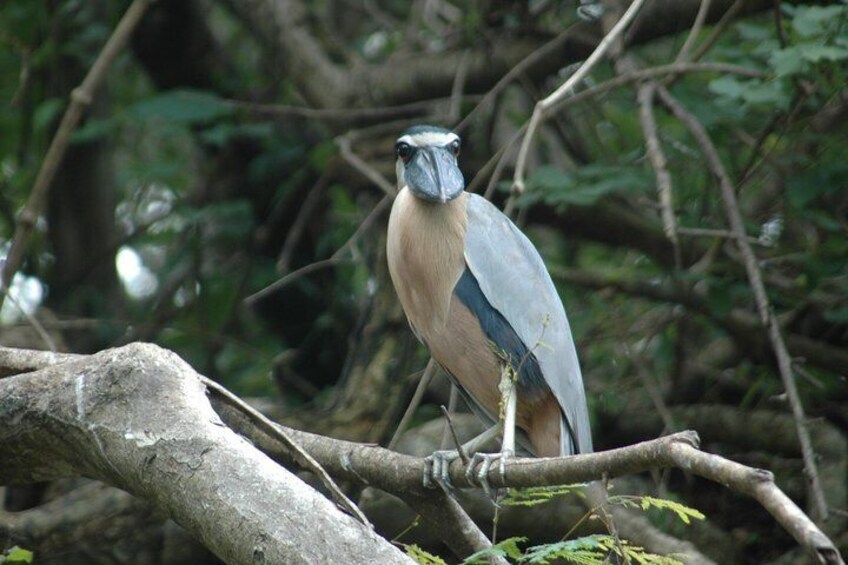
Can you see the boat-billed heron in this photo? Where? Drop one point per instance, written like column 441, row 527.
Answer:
column 479, row 297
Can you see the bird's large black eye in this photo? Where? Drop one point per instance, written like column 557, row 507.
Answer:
column 403, row 150
column 454, row 147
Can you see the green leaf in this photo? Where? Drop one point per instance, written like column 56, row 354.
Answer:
column 647, row 502
column 539, row 495
column 816, row 53
column 719, row 299
column 221, row 133
column 320, row 155
column 181, row 106
column 803, row 189
column 506, row 548
column 93, row 129
column 796, row 59
column 15, row 555
column 837, row 315
column 583, row 187
column 46, row 113
column 727, row 86
column 421, row 556
column 589, row 550
column 812, row 20
column 754, row 91
column 753, row 32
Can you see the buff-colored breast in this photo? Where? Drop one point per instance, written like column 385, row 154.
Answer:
column 425, row 252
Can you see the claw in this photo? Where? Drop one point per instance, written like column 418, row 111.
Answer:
column 437, row 469
column 485, row 461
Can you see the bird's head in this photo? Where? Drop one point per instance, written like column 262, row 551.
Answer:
column 426, row 163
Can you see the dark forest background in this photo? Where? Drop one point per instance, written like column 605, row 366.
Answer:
column 239, row 144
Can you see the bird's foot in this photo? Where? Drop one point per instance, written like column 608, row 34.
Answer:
column 437, row 469
column 485, row 462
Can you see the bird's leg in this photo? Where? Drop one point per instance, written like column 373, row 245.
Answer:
column 509, row 394
column 437, row 465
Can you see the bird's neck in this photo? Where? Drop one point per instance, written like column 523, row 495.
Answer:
column 426, row 256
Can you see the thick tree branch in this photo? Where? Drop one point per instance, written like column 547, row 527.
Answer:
column 138, row 418
column 284, row 25
column 363, row 464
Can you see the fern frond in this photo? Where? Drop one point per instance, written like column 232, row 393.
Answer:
column 422, row 557
column 588, row 550
column 684, row 513
column 539, row 495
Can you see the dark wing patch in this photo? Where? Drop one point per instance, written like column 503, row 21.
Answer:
column 503, row 337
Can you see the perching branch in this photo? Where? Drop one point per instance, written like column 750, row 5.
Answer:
column 81, row 385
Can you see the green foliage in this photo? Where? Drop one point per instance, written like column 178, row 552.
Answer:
column 818, row 47
column 588, row 550
column 594, row 550
column 16, row 556
column 534, row 496
column 422, row 557
column 506, row 548
column 180, row 106
column 683, row 512
column 582, row 187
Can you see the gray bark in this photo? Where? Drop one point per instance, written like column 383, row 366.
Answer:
column 138, row 418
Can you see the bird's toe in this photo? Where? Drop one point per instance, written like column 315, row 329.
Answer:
column 437, row 469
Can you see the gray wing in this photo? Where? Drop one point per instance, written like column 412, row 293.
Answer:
column 514, row 280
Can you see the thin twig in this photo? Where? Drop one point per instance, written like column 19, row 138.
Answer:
column 723, row 234
column 364, row 225
column 566, row 90
column 298, row 226
column 499, row 160
column 672, row 69
column 651, row 387
column 456, row 442
column 645, row 96
column 81, row 98
column 335, row 258
column 542, row 52
column 294, row 275
column 31, row 320
column 764, row 308
column 423, row 385
column 718, row 29
column 458, row 86
column 502, row 162
column 453, row 402
column 367, row 170
column 345, row 114
column 302, row 457
column 700, row 18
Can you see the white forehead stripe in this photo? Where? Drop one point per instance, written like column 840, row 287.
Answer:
column 429, row 138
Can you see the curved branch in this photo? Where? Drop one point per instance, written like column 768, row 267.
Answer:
column 138, row 417
column 768, row 318
column 362, row 464
column 284, row 26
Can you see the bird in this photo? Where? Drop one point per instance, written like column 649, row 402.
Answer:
column 477, row 294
